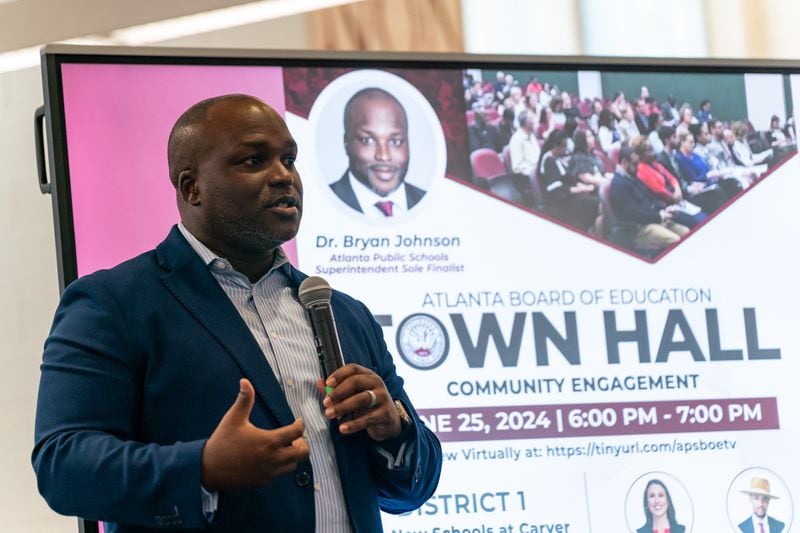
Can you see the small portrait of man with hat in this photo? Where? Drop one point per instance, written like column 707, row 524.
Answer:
column 759, row 496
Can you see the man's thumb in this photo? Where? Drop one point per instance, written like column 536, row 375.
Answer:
column 240, row 410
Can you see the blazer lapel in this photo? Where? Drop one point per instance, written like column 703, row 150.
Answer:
column 190, row 282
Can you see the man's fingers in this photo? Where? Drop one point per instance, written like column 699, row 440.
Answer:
column 288, row 435
column 341, row 374
column 239, row 413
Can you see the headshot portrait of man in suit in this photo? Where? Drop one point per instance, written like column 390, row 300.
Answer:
column 376, row 143
column 759, row 496
column 182, row 388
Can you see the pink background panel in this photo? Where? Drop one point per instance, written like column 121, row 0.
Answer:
column 118, row 119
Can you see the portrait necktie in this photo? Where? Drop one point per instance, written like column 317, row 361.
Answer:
column 761, row 527
column 385, row 207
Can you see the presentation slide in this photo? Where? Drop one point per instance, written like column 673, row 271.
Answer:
column 584, row 277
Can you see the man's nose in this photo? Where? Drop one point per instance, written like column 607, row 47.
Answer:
column 383, row 152
column 279, row 174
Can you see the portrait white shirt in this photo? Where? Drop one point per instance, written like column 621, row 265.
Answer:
column 367, row 198
column 757, row 521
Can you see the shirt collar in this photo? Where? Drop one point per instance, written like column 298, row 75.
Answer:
column 367, row 197
column 220, row 264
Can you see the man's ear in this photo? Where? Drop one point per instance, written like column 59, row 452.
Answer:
column 187, row 187
column 346, row 146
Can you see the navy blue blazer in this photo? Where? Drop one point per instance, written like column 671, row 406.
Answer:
column 344, row 190
column 141, row 364
column 775, row 525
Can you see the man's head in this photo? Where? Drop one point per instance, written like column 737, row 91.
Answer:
column 728, row 137
column 715, row 127
column 376, row 140
column 231, row 160
column 526, row 119
column 668, row 137
column 628, row 160
column 759, row 495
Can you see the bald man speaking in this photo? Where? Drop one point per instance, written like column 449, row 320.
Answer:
column 376, row 143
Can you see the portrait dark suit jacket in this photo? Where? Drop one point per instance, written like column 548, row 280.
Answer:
column 344, row 190
column 142, row 362
column 775, row 525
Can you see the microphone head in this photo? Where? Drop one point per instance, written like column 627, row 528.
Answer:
column 314, row 291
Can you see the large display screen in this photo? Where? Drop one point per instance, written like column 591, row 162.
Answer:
column 588, row 281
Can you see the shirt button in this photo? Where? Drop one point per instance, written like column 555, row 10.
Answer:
column 302, row 479
column 274, row 336
column 289, row 382
column 316, row 487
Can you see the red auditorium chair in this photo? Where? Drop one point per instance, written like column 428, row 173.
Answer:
column 487, row 164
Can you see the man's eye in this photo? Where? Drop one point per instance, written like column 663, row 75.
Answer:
column 289, row 160
column 396, row 142
column 253, row 161
column 366, row 140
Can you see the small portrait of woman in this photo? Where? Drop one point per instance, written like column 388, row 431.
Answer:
column 659, row 510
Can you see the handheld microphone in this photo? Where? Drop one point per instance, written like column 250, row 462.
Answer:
column 315, row 295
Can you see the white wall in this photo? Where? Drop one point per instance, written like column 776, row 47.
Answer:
column 28, row 274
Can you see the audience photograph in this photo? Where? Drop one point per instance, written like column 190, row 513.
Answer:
column 633, row 172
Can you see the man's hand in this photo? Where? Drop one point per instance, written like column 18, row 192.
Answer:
column 239, row 455
column 349, row 396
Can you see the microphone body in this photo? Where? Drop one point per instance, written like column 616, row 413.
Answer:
column 315, row 295
column 326, row 339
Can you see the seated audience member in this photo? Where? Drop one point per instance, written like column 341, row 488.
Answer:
column 607, row 134
column 776, row 135
column 670, row 112
column 481, row 134
column 700, row 179
column 717, row 146
column 569, row 130
column 702, row 145
column 545, row 95
column 566, row 197
column 742, row 152
column 499, row 85
column 532, row 104
column 654, row 122
column 558, row 117
column 644, row 221
column 505, row 129
column 524, row 148
column 704, row 114
column 640, row 117
column 566, row 106
column 685, row 119
column 663, row 185
column 546, row 124
column 593, row 120
column 516, row 102
column 627, row 125
column 533, row 86
column 667, row 156
column 584, row 162
column 617, row 102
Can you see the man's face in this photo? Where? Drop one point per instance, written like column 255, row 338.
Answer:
column 728, row 136
column 716, row 130
column 376, row 141
column 630, row 165
column 246, row 194
column 760, row 504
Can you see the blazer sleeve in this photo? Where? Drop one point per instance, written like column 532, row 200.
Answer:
column 407, row 488
column 87, row 460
